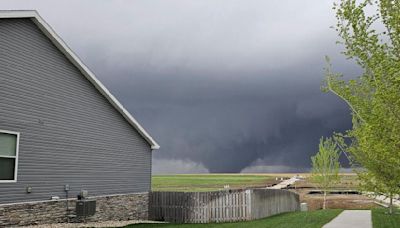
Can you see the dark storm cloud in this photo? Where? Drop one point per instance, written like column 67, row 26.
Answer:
column 228, row 125
column 223, row 86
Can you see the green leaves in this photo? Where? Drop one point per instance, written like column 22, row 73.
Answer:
column 374, row 96
column 325, row 164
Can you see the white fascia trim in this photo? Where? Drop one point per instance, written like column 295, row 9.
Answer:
column 63, row 47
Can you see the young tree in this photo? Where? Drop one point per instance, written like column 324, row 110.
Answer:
column 325, row 166
column 373, row 41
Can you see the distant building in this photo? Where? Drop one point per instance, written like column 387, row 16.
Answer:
column 61, row 131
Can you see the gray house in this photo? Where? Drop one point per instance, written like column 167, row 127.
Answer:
column 62, row 131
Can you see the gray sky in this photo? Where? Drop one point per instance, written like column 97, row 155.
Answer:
column 223, row 86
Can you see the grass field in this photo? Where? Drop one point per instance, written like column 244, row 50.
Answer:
column 381, row 219
column 208, row 182
column 313, row 219
column 213, row 182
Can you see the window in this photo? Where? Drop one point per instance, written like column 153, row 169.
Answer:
column 9, row 142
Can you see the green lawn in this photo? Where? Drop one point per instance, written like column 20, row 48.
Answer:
column 207, row 182
column 312, row 219
column 381, row 219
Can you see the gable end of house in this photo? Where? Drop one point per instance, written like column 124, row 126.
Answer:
column 74, row 59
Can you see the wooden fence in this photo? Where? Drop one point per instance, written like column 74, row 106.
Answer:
column 221, row 206
column 267, row 202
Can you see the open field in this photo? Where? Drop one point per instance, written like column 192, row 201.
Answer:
column 313, row 219
column 210, row 182
column 213, row 182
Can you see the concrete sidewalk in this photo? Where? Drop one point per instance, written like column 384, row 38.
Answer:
column 285, row 183
column 351, row 219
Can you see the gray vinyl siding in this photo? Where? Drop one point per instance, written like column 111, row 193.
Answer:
column 70, row 133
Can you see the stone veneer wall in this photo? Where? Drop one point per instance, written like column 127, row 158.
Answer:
column 115, row 207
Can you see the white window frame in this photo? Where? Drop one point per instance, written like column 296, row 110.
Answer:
column 15, row 157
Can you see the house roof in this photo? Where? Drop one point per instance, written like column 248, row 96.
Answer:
column 63, row 47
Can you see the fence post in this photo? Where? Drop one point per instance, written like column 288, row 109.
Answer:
column 249, row 203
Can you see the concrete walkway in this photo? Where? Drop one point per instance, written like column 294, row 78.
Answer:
column 285, row 183
column 385, row 200
column 351, row 219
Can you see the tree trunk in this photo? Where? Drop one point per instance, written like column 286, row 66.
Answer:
column 391, row 204
column 324, row 203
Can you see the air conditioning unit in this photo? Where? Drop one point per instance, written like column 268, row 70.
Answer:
column 85, row 207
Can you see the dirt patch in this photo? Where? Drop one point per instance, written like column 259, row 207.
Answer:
column 342, row 202
column 336, row 201
column 348, row 183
